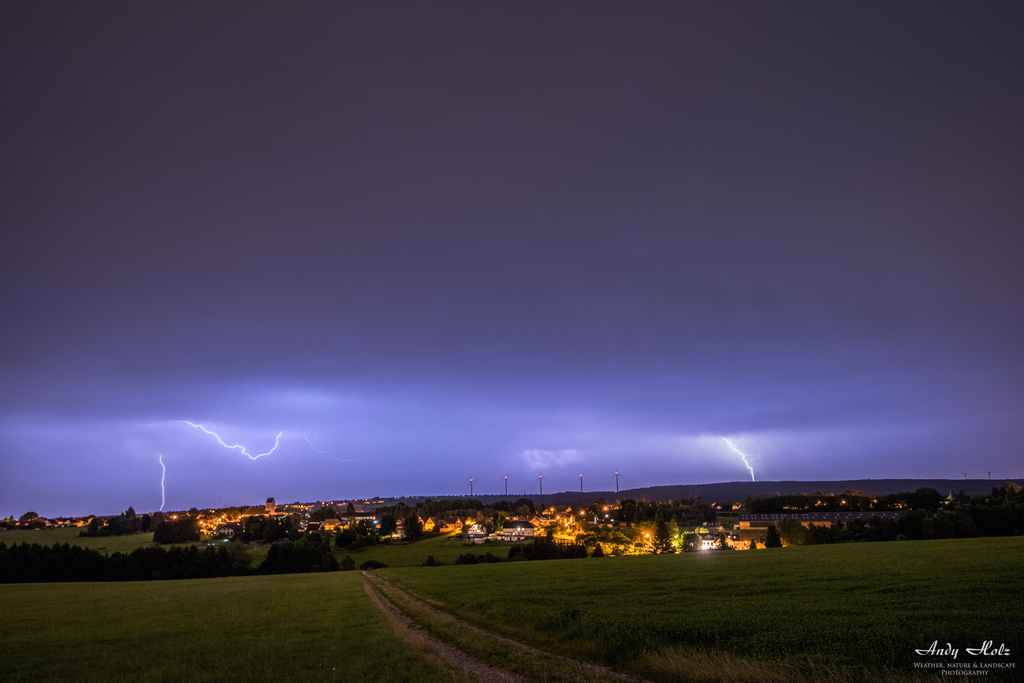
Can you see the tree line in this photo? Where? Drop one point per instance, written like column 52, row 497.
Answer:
column 36, row 563
column 999, row 514
column 850, row 500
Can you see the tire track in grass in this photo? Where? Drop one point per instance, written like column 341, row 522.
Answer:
column 462, row 667
column 533, row 663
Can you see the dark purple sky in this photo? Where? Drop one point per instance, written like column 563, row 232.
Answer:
column 435, row 241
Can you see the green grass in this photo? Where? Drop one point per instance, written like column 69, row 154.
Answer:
column 533, row 665
column 444, row 549
column 310, row 627
column 104, row 544
column 857, row 609
column 848, row 612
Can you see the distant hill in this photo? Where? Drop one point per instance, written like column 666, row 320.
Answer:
column 738, row 490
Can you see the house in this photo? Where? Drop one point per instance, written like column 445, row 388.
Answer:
column 450, row 524
column 330, row 525
column 476, row 531
column 539, row 521
column 708, row 541
column 429, row 525
column 761, row 521
column 356, row 517
column 227, row 531
column 517, row 530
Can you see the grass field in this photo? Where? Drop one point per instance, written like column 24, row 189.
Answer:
column 309, row 627
column 104, row 544
column 856, row 610
column 841, row 612
column 444, row 549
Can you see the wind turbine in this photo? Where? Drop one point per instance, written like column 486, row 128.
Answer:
column 540, row 478
column 506, row 484
column 471, row 487
column 581, row 483
column 965, row 474
column 616, row 481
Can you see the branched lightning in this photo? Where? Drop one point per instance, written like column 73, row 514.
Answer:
column 323, row 452
column 314, row 447
column 163, row 497
column 741, row 454
column 236, row 447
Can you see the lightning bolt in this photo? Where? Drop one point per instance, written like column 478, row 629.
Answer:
column 163, row 497
column 741, row 454
column 237, row 447
column 323, row 452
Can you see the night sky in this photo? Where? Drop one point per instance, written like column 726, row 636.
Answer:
column 432, row 241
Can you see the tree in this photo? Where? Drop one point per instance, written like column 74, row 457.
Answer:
column 413, row 527
column 27, row 517
column 927, row 499
column 691, row 543
column 311, row 554
column 184, row 530
column 663, row 539
column 597, row 551
column 350, row 510
column 774, row 540
column 347, row 563
column 792, row 532
column 388, row 524
column 322, row 514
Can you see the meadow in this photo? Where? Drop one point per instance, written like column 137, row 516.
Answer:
column 846, row 612
column 103, row 544
column 853, row 612
column 445, row 549
column 307, row 627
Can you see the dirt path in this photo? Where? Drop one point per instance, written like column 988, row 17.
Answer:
column 460, row 665
column 384, row 592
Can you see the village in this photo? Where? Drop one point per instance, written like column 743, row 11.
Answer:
column 622, row 527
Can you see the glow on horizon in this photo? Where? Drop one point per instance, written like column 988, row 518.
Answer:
column 238, row 447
